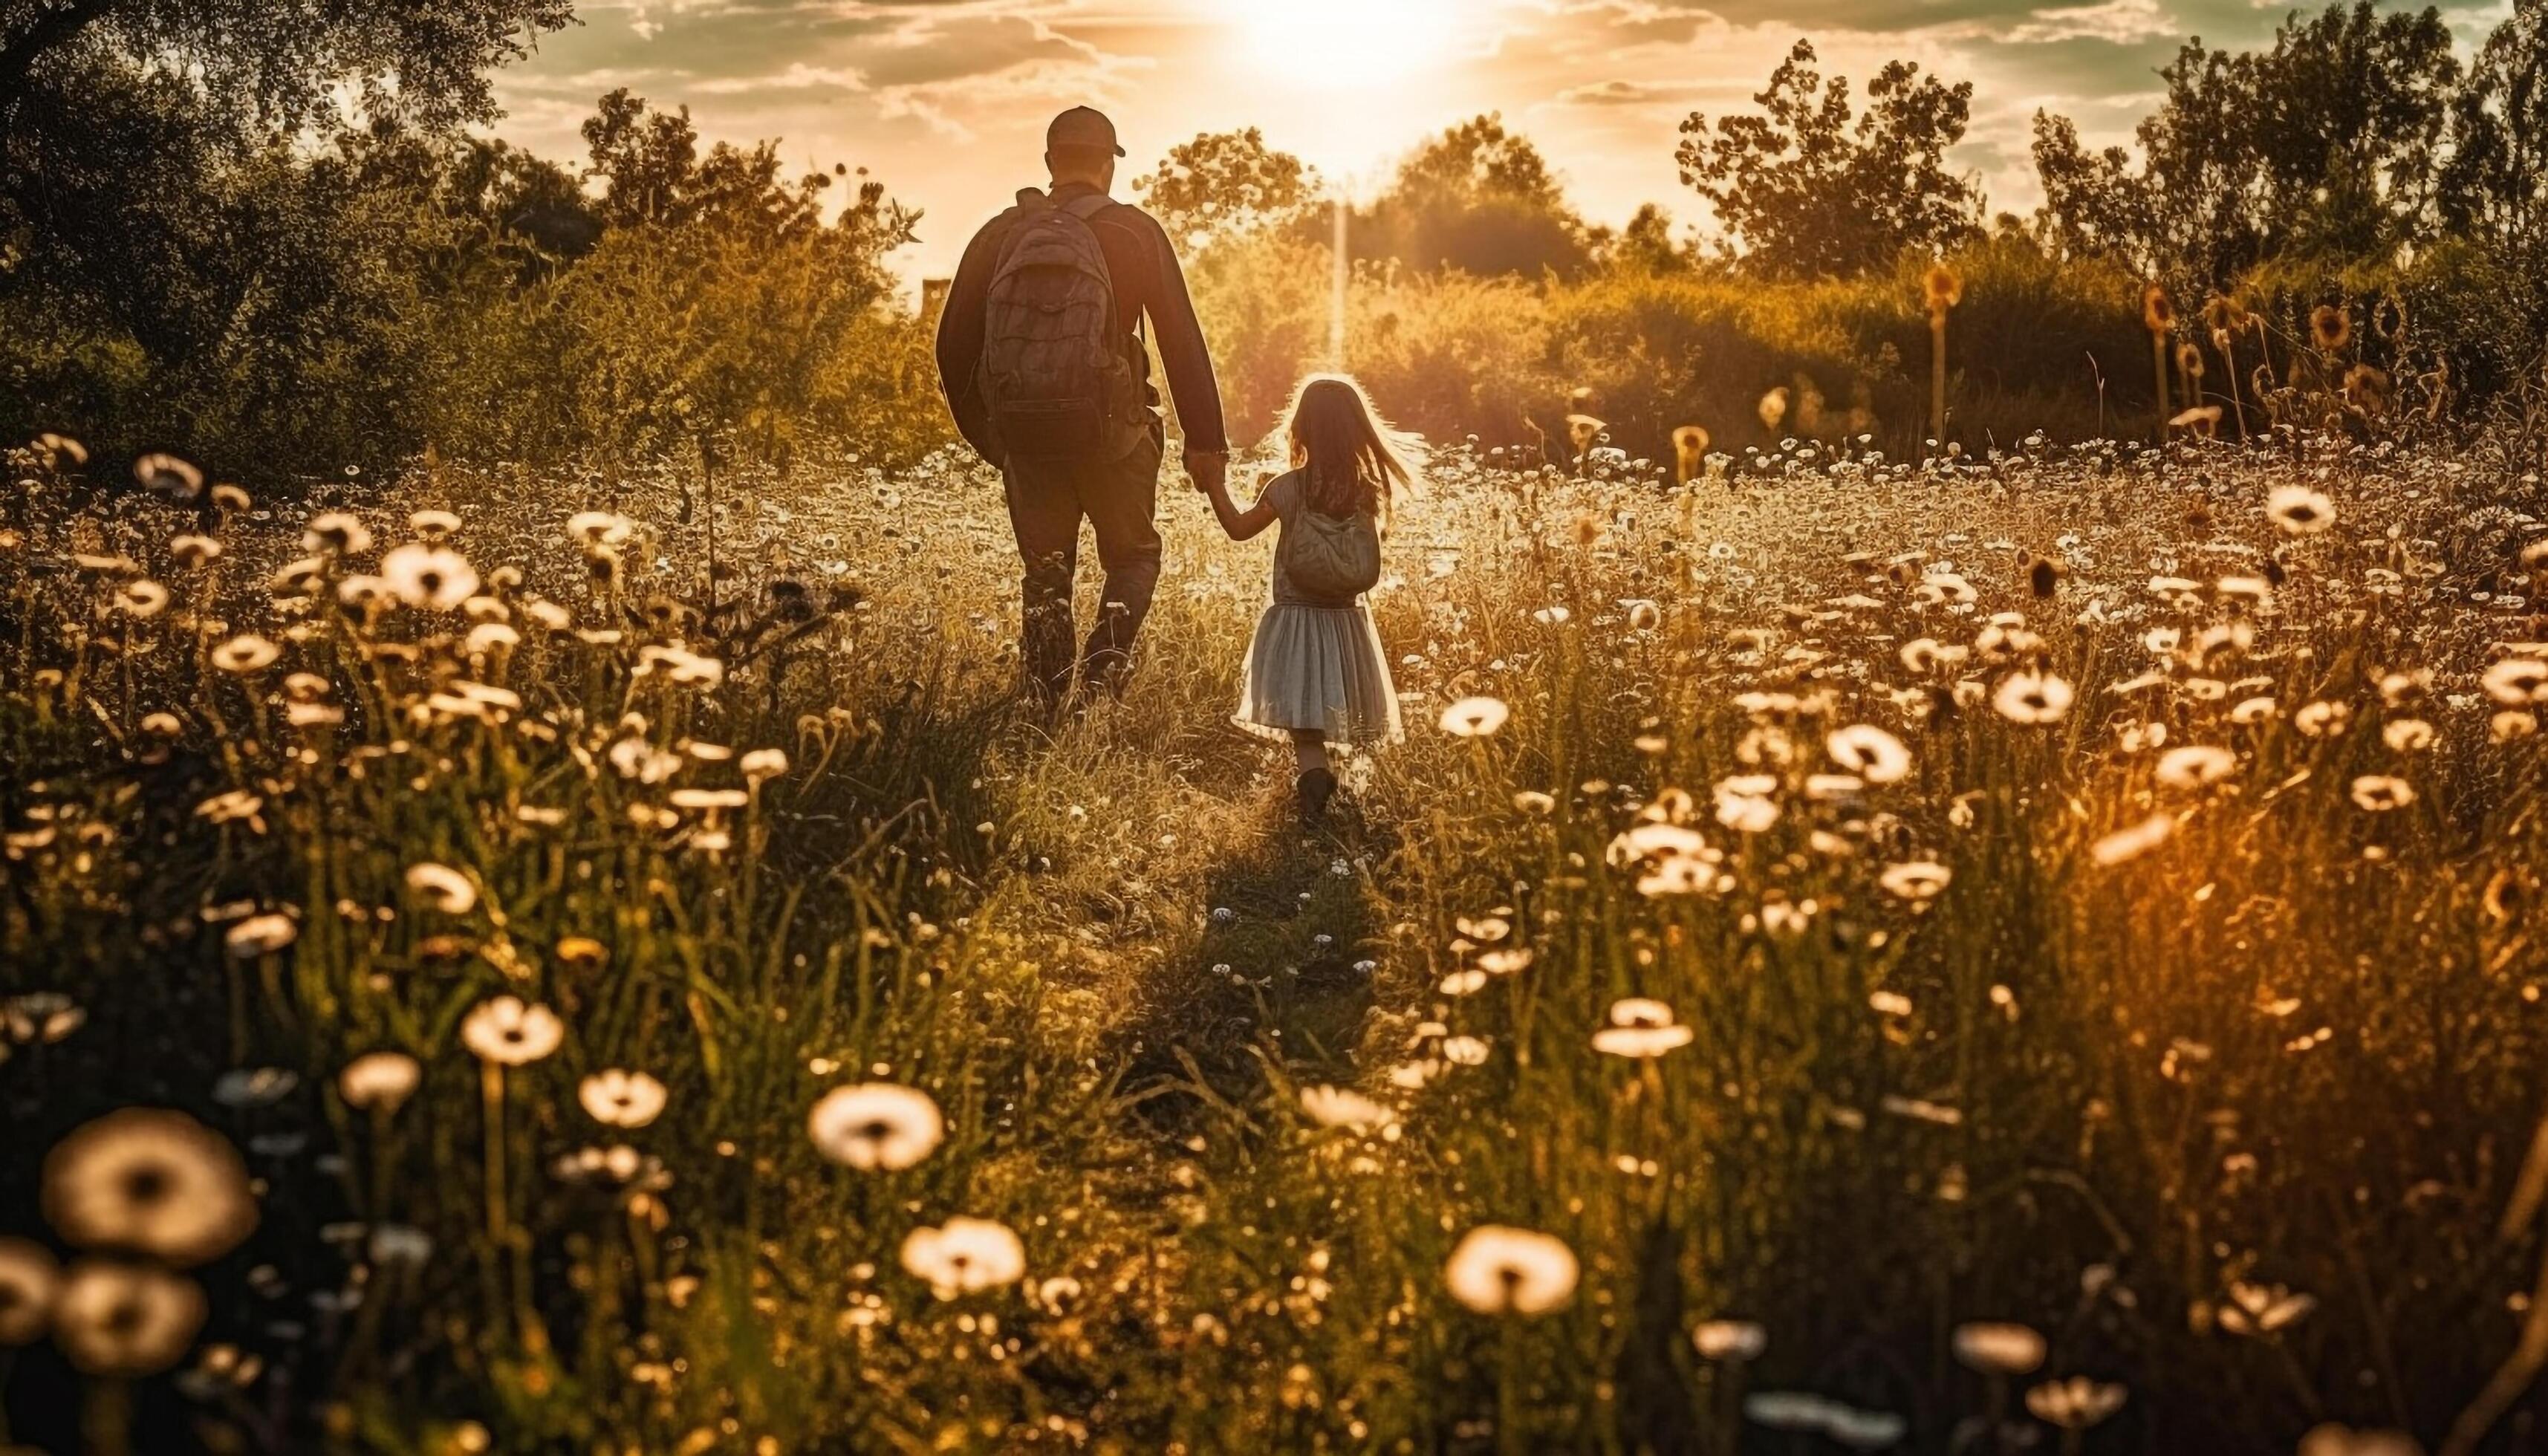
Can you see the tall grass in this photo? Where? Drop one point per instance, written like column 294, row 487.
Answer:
column 2028, row 1021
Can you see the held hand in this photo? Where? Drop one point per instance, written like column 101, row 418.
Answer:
column 1210, row 471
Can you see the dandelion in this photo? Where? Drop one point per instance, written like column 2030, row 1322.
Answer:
column 2299, row 510
column 621, row 1099
column 2258, row 1310
column 2032, row 697
column 435, row 524
column 2329, row 1438
column 142, row 600
column 1497, row 1269
column 2378, row 793
column 262, row 1086
column 2407, row 735
column 149, row 1181
column 598, row 529
column 1871, row 752
column 1582, row 432
column 762, row 763
column 2516, row 682
column 2076, row 1403
column 875, row 1127
column 1641, row 1029
column 963, row 1255
column 442, row 888
column 2158, row 315
column 1475, row 717
column 1920, row 879
column 118, row 1319
column 1774, row 409
column 1732, row 1341
column 2195, row 766
column 380, row 1081
column 29, row 1281
column 1941, row 288
column 2323, row 719
column 2134, row 841
column 509, row 1033
column 1999, row 1348
column 244, row 654
column 194, row 552
column 162, row 474
column 2204, row 420
column 1690, row 453
column 428, row 577
column 1340, row 1107
column 336, row 533
column 2331, row 327
column 260, row 935
column 41, row 1017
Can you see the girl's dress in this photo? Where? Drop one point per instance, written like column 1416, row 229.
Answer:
column 1314, row 665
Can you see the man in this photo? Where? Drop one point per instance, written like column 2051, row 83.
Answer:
column 1073, row 436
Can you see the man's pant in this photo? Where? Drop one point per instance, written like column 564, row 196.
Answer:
column 1046, row 500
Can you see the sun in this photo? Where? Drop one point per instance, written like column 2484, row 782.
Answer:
column 1343, row 45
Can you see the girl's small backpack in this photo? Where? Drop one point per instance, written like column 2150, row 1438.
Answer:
column 1332, row 557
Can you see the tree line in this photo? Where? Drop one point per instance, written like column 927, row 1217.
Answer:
column 202, row 243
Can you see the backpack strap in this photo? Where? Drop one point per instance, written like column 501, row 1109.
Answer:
column 1086, row 209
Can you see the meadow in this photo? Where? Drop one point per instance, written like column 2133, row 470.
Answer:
column 2034, row 949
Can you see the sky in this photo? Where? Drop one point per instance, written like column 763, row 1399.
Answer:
column 946, row 101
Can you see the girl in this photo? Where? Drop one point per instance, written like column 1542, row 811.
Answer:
column 1315, row 675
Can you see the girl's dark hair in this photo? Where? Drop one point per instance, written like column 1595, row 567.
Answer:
column 1353, row 458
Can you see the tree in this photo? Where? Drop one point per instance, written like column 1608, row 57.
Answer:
column 1813, row 188
column 1224, row 185
column 273, row 66
column 2320, row 146
column 2495, row 183
column 1647, row 245
column 1481, row 199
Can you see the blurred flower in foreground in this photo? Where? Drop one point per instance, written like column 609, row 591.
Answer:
column 444, row 889
column 2259, row 1310
column 1475, row 717
column 118, row 1319
column 2299, row 510
column 1640, row 1028
column 963, row 1255
column 2329, row 1438
column 2075, row 1404
column 29, row 1281
column 2032, row 697
column 1495, row 1269
column 1734, row 1341
column 875, row 1125
column 1999, row 1348
column 149, row 1181
column 1342, row 1107
column 2378, row 793
column 380, row 1079
column 508, row 1032
column 432, row 578
column 622, row 1099
column 1871, row 752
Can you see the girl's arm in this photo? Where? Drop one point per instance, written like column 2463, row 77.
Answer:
column 1243, row 525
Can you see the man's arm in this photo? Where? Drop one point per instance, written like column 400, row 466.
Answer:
column 960, row 344
column 1182, row 353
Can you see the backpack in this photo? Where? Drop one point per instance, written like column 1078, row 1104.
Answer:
column 1335, row 558
column 1055, row 373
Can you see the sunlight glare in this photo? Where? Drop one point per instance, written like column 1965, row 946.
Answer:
column 1342, row 45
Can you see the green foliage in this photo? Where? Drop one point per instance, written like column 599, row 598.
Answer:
column 1225, row 185
column 1814, row 188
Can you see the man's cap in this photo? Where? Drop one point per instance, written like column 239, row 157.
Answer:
column 1082, row 126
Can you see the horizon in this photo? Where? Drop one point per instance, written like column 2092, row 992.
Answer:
column 902, row 88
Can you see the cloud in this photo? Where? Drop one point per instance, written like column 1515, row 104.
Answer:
column 1635, row 93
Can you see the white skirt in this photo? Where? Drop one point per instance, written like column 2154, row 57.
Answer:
column 1320, row 669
